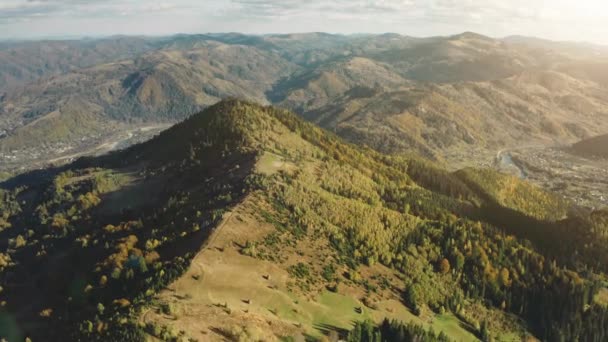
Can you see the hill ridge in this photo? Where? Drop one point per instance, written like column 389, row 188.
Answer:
column 386, row 227
column 231, row 125
column 592, row 147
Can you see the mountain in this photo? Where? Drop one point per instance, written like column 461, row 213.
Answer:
column 442, row 97
column 464, row 57
column 24, row 62
column 246, row 222
column 447, row 96
column 593, row 147
column 444, row 121
column 58, row 113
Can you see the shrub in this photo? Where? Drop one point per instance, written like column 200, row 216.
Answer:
column 18, row 242
column 444, row 266
column 329, row 272
column 299, row 270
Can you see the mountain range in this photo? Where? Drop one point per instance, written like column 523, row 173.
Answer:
column 303, row 187
column 440, row 96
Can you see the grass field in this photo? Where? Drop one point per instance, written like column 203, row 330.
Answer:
column 271, row 163
column 224, row 289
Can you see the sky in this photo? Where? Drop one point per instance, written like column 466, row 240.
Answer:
column 573, row 20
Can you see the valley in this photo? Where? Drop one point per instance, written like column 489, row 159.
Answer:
column 579, row 179
column 505, row 163
column 456, row 100
column 40, row 157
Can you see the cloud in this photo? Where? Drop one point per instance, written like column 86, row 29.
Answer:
column 386, row 14
column 273, row 8
column 14, row 10
column 447, row 11
column 17, row 10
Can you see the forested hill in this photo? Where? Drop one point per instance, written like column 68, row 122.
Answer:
column 86, row 248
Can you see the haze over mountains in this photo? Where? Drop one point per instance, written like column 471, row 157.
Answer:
column 437, row 96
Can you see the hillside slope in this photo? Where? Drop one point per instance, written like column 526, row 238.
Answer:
column 57, row 114
column 543, row 99
column 443, row 97
column 594, row 147
column 113, row 247
column 24, row 62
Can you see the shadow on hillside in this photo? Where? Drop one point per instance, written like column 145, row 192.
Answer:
column 327, row 329
column 466, row 326
column 37, row 177
column 543, row 234
column 34, row 177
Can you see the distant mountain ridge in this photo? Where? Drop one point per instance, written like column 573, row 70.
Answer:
column 24, row 62
column 436, row 96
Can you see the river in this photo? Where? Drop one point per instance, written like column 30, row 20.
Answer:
column 505, row 162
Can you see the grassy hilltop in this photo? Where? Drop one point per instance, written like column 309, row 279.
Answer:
column 245, row 222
